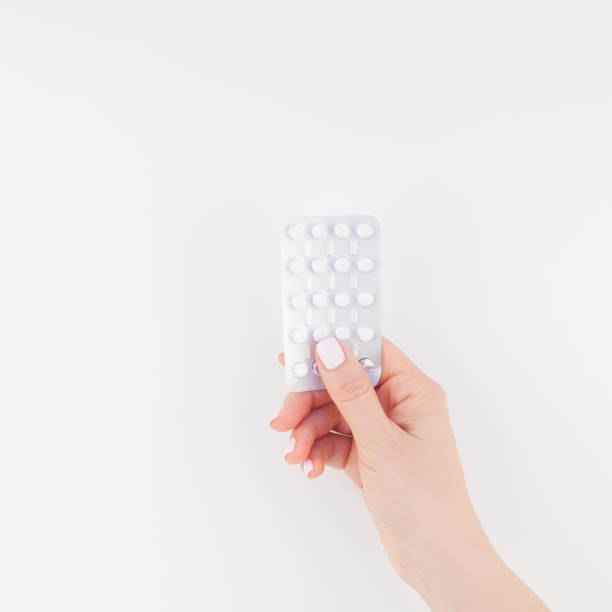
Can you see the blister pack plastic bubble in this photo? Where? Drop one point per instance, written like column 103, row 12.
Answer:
column 330, row 286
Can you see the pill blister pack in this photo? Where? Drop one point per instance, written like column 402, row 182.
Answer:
column 331, row 287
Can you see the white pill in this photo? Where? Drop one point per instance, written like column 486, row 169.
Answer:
column 342, row 230
column 319, row 299
column 299, row 335
column 365, row 334
column 365, row 264
column 342, row 299
column 295, row 232
column 297, row 301
column 296, row 266
column 318, row 265
column 343, row 333
column 366, row 363
column 365, row 298
column 318, row 231
column 342, row 265
column 319, row 333
column 300, row 369
column 364, row 230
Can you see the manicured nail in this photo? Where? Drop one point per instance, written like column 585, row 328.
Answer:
column 330, row 352
column 307, row 467
column 275, row 415
column 290, row 447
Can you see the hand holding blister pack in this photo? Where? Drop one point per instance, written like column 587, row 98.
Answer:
column 331, row 287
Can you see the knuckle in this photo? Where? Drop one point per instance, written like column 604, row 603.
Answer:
column 404, row 388
column 305, row 432
column 437, row 396
column 439, row 391
column 353, row 389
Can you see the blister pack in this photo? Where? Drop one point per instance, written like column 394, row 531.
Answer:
column 330, row 286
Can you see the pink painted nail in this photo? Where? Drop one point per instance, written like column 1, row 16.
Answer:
column 275, row 415
column 291, row 447
column 307, row 467
column 330, row 352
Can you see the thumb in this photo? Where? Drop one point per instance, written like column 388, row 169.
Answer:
column 351, row 390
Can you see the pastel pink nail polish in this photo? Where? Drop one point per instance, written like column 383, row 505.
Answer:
column 290, row 447
column 307, row 467
column 330, row 352
column 275, row 415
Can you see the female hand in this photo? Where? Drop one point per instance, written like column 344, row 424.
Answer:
column 397, row 444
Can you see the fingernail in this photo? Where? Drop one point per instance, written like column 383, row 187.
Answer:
column 275, row 415
column 307, row 467
column 290, row 447
column 330, row 352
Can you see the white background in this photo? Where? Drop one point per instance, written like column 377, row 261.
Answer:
column 149, row 152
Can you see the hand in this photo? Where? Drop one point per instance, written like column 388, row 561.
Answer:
column 397, row 444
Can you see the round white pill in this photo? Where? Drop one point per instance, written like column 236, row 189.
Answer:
column 319, row 333
column 299, row 335
column 296, row 266
column 365, row 333
column 364, row 230
column 343, row 332
column 365, row 298
column 319, row 299
column 342, row 299
column 342, row 265
column 300, row 369
column 318, row 265
column 318, row 231
column 295, row 232
column 297, row 301
column 365, row 264
column 342, row 230
column 366, row 363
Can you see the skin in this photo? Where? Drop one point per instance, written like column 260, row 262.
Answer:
column 396, row 443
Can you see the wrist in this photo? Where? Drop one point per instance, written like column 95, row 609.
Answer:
column 471, row 577
column 459, row 568
column 464, row 580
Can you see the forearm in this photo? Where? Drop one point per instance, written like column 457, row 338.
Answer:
column 403, row 456
column 477, row 580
